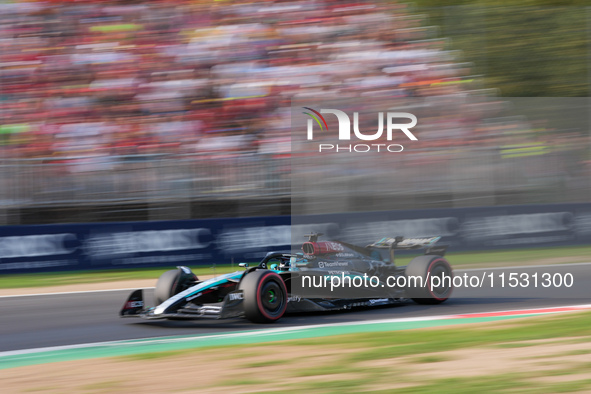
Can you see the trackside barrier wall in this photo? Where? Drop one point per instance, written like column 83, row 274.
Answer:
column 223, row 241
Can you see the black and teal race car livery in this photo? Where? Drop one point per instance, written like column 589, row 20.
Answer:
column 277, row 285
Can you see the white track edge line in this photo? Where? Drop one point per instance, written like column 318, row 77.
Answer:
column 141, row 341
column 72, row 292
column 521, row 267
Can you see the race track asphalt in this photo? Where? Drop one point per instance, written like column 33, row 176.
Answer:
column 66, row 319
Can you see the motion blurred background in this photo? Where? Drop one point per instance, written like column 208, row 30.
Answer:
column 179, row 109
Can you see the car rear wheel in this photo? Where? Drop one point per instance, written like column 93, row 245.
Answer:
column 265, row 296
column 436, row 280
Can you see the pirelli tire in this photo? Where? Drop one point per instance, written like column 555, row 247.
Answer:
column 170, row 283
column 427, row 267
column 265, row 296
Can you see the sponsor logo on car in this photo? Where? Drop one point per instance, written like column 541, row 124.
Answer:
column 378, row 301
column 330, row 264
column 335, row 246
column 235, row 296
column 294, row 298
column 194, row 296
column 134, row 304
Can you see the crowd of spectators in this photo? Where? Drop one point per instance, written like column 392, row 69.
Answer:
column 86, row 85
column 109, row 78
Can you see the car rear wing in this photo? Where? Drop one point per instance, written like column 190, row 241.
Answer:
column 401, row 243
column 404, row 243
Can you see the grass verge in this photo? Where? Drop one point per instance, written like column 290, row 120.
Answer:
column 407, row 361
column 13, row 281
column 461, row 359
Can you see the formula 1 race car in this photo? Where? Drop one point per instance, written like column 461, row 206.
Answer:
column 264, row 293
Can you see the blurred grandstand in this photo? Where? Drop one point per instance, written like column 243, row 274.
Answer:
column 136, row 110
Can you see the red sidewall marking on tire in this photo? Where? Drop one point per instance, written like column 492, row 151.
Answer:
column 259, row 299
column 429, row 287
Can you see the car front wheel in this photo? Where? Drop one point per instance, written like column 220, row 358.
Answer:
column 265, row 296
